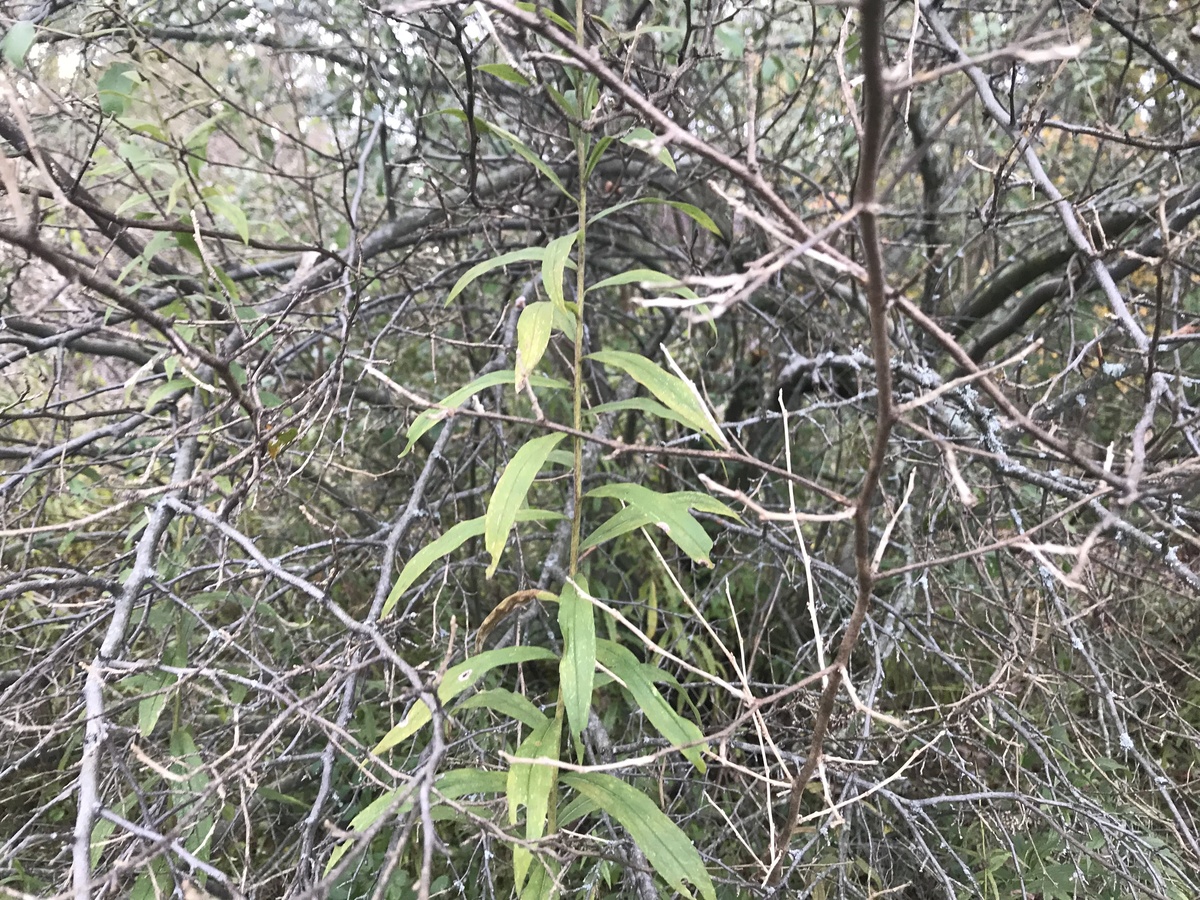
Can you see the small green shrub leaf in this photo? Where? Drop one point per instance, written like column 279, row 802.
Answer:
column 577, row 668
column 640, row 683
column 646, row 276
column 530, row 785
column 507, row 703
column 457, row 680
column 554, row 263
column 666, row 847
column 533, row 335
column 17, row 42
column 527, row 254
column 651, row 144
column 670, row 512
column 510, row 493
column 445, row 408
column 454, row 538
column 671, row 390
column 504, row 72
column 450, row 785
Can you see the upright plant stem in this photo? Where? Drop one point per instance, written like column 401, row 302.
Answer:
column 580, row 258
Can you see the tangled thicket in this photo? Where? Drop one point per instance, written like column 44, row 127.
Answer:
column 229, row 234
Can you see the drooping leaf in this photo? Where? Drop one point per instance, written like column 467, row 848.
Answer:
column 670, row 512
column 504, row 72
column 533, row 336
column 666, row 847
column 430, row 417
column 530, row 785
column 507, row 703
column 451, row 785
column 231, row 213
column 672, row 391
column 454, row 538
column 675, row 728
column 17, row 42
column 649, row 143
column 510, row 493
column 527, row 254
column 528, row 155
column 646, row 276
column 457, row 680
column 628, row 519
column 577, row 668
column 554, row 263
column 115, row 88
column 639, row 404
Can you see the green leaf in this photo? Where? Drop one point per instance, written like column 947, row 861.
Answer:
column 527, row 254
column 530, row 785
column 533, row 336
column 17, row 42
column 457, row 680
column 673, row 391
column 515, row 706
column 646, row 276
column 597, row 153
column 639, row 404
column 172, row 388
column 510, row 493
column 458, row 535
column 666, row 847
column 648, row 142
column 504, row 72
column 528, row 155
column 640, row 684
column 115, row 89
column 629, row 519
column 151, row 706
column 670, row 512
column 430, row 417
column 553, row 265
column 232, row 214
column 699, row 216
column 577, row 668
column 450, row 785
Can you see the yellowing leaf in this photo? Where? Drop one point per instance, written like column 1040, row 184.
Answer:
column 533, row 335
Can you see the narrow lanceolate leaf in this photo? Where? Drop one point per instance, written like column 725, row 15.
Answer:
column 454, row 538
column 649, row 143
column 713, row 428
column 638, row 679
column 667, row 848
column 577, row 668
column 510, row 493
column 430, row 417
column 554, row 263
column 672, row 391
column 450, row 785
column 669, row 512
column 646, row 276
column 530, row 785
column 456, row 680
column 638, row 404
column 504, row 72
column 526, row 154
column 533, row 335
column 528, row 254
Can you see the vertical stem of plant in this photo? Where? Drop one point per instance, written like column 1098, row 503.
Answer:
column 870, row 151
column 580, row 258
